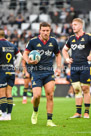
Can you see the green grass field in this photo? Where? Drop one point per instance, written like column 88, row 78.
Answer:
column 20, row 125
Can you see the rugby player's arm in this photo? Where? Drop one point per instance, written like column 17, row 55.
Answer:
column 18, row 60
column 25, row 57
column 26, row 74
column 24, row 66
column 58, row 62
column 66, row 55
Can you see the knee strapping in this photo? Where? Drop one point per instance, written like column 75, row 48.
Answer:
column 85, row 88
column 77, row 86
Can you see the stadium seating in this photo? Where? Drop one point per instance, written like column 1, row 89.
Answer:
column 24, row 26
column 33, row 17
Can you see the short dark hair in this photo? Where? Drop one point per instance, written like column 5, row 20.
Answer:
column 45, row 24
column 2, row 33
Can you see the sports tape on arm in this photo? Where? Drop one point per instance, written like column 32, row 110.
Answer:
column 18, row 60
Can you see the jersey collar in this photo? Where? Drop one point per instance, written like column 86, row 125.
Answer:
column 78, row 37
column 44, row 42
column 2, row 39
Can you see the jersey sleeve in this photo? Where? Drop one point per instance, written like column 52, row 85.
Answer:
column 29, row 46
column 68, row 43
column 16, row 50
column 90, row 38
column 56, row 49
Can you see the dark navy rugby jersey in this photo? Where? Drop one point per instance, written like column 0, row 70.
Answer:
column 81, row 47
column 7, row 53
column 46, row 50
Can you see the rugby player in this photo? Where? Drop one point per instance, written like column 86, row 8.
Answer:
column 42, row 72
column 80, row 44
column 8, row 52
column 27, row 80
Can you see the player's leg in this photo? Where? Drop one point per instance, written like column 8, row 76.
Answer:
column 85, row 84
column 75, row 79
column 3, row 97
column 3, row 102
column 78, row 99
column 26, row 86
column 36, row 101
column 70, row 92
column 31, row 91
column 9, row 102
column 10, row 84
column 86, row 92
column 49, row 91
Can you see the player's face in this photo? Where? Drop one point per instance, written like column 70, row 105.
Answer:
column 76, row 26
column 45, row 32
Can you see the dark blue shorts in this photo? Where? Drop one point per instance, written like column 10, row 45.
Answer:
column 80, row 73
column 6, row 79
column 38, row 80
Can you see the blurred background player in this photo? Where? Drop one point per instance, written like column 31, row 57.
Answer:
column 42, row 72
column 70, row 91
column 68, row 78
column 80, row 44
column 27, row 80
column 8, row 52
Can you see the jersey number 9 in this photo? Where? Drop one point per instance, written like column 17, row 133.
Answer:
column 8, row 57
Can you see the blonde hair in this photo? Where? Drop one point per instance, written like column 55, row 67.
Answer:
column 78, row 20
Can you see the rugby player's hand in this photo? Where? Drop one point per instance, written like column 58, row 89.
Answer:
column 69, row 60
column 33, row 62
column 58, row 72
column 89, row 58
column 27, row 74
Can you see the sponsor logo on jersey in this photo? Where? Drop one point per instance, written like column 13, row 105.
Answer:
column 88, row 80
column 80, row 46
column 41, row 52
column 34, row 83
column 7, row 49
column 75, row 46
column 3, row 49
column 50, row 45
column 82, row 39
column 38, row 45
column 47, row 53
column 74, row 40
column 52, row 76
